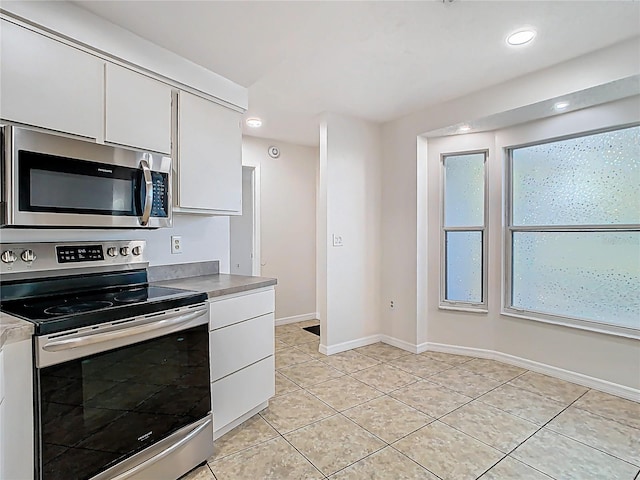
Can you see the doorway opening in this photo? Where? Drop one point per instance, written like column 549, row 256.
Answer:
column 244, row 230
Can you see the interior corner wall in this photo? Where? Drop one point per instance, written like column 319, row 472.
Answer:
column 473, row 330
column 597, row 355
column 287, row 222
column 350, row 194
column 402, row 187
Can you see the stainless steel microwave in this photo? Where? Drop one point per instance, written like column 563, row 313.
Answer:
column 55, row 181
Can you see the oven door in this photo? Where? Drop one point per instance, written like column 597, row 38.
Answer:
column 108, row 412
column 62, row 182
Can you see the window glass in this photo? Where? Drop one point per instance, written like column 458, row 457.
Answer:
column 588, row 180
column 464, row 266
column 464, row 190
column 588, row 275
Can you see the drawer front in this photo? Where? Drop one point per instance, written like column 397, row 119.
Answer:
column 233, row 310
column 237, row 394
column 236, row 346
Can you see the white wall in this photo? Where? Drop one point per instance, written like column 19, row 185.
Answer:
column 204, row 238
column 288, row 222
column 350, row 195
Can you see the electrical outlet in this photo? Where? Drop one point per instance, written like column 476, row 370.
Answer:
column 392, row 305
column 337, row 240
column 176, row 244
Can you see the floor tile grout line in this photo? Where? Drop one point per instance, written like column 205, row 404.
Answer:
column 304, row 456
column 293, row 446
column 606, row 418
column 386, row 445
column 344, row 416
column 414, row 461
column 418, row 379
column 538, row 430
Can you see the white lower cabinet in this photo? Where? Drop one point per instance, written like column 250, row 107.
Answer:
column 236, row 346
column 237, row 394
column 241, row 338
column 16, row 412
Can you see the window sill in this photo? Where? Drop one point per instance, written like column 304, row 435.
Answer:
column 463, row 309
column 615, row 330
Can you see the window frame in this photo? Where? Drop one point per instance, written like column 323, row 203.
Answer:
column 444, row 304
column 508, row 233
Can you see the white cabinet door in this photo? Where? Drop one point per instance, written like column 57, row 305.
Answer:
column 49, row 84
column 209, row 156
column 236, row 346
column 17, row 422
column 237, row 394
column 138, row 110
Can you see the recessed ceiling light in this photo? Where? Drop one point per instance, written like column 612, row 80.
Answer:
column 561, row 105
column 464, row 129
column 254, row 122
column 521, row 37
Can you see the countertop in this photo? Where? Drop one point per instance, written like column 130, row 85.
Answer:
column 219, row 284
column 14, row 329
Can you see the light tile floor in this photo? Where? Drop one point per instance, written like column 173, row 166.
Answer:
column 378, row 412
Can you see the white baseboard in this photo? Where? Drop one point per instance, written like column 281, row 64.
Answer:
column 396, row 342
column 343, row 347
column 568, row 375
column 296, row 318
column 231, row 425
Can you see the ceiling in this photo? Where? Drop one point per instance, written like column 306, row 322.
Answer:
column 373, row 60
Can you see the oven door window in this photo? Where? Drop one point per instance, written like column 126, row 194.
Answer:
column 50, row 183
column 99, row 410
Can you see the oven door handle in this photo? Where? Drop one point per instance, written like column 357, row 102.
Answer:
column 170, row 322
column 148, row 193
column 167, row 451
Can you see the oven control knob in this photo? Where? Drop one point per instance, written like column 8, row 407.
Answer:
column 112, row 251
column 137, row 251
column 8, row 256
column 28, row 256
column 124, row 251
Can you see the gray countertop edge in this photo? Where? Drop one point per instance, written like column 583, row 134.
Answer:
column 14, row 329
column 219, row 284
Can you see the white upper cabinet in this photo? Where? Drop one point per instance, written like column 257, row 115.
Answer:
column 209, row 156
column 49, row 84
column 137, row 110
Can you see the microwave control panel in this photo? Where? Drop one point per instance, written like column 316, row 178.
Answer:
column 160, row 197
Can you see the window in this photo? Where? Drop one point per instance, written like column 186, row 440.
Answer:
column 464, row 242
column 573, row 231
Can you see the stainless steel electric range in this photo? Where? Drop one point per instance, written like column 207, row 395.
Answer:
column 121, row 367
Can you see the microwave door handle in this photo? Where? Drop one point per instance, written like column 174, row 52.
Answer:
column 148, row 197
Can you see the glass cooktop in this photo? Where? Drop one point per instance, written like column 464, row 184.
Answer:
column 62, row 312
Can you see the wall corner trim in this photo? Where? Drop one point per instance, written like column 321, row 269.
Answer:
column 567, row 375
column 296, row 318
column 343, row 347
column 396, row 342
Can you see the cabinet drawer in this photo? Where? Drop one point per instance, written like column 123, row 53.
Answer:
column 237, row 394
column 233, row 310
column 241, row 344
